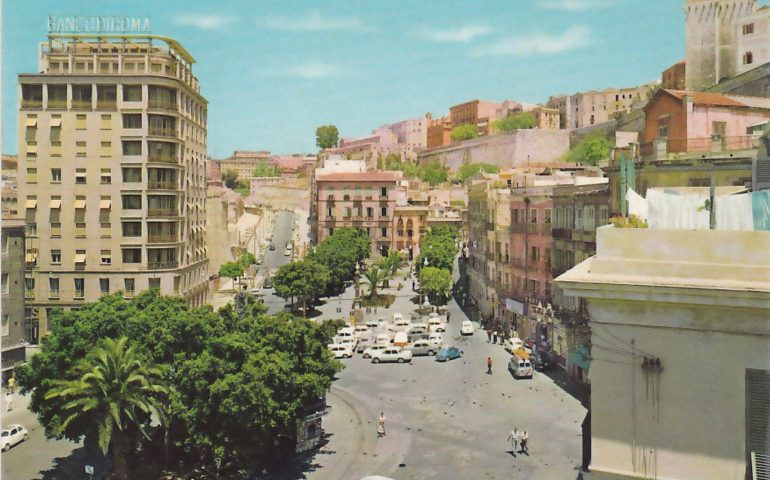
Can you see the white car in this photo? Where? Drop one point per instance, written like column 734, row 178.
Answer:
column 466, row 328
column 383, row 339
column 436, row 339
column 352, row 341
column 378, row 347
column 392, row 354
column 400, row 326
column 340, row 351
column 12, row 435
column 362, row 331
column 513, row 344
column 364, row 343
column 371, row 323
column 437, row 325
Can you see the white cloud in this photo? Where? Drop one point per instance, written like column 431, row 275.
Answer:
column 312, row 22
column 310, row 70
column 575, row 5
column 203, row 22
column 462, row 34
column 538, row 42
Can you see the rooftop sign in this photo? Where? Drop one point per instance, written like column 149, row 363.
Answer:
column 98, row 24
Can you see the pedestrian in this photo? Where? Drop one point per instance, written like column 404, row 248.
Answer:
column 513, row 437
column 494, row 336
column 381, row 425
column 523, row 442
column 8, row 401
column 11, row 384
column 489, row 365
column 489, row 335
column 447, row 316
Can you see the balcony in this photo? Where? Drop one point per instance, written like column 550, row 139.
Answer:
column 58, row 104
column 660, row 148
column 384, row 219
column 29, row 293
column 162, row 185
column 162, row 212
column 163, row 159
column 562, row 233
column 162, row 238
column 162, row 265
column 32, row 103
column 162, row 105
column 80, row 294
column 162, row 132
column 82, row 104
column 106, row 105
column 30, row 229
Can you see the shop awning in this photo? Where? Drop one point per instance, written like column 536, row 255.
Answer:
column 31, row 204
column 54, row 204
column 80, row 258
column 581, row 357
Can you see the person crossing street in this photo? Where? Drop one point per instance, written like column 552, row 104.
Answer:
column 489, row 365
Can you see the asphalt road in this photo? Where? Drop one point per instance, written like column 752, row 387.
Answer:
column 273, row 259
column 446, row 420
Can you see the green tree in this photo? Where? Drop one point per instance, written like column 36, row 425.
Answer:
column 246, row 260
column 467, row 170
column 237, row 383
column 436, row 283
column 591, row 149
column 230, row 178
column 434, row 173
column 115, row 390
column 327, row 136
column 374, row 276
column 516, row 121
column 439, row 247
column 304, row 280
column 233, row 270
column 465, row 131
column 340, row 253
column 264, row 169
column 391, row 263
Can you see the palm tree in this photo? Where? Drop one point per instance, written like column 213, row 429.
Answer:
column 374, row 276
column 115, row 386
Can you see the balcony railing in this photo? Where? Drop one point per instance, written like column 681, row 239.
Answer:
column 162, row 265
column 30, row 230
column 163, row 159
column 106, row 104
column 82, row 105
column 80, row 294
column 32, row 104
column 162, row 238
column 29, row 293
column 162, row 132
column 698, row 145
column 57, row 103
column 563, row 233
column 159, row 185
column 162, row 105
column 162, row 212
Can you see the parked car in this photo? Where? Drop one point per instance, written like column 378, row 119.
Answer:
column 362, row 330
column 12, row 435
column 436, row 339
column 437, row 325
column 448, row 353
column 371, row 323
column 400, row 339
column 287, row 253
column 418, row 331
column 399, row 326
column 272, row 247
column 268, row 283
column 352, row 341
column 340, row 350
column 542, row 360
column 364, row 343
column 513, row 344
column 377, row 347
column 466, row 328
column 422, row 347
column 392, row 354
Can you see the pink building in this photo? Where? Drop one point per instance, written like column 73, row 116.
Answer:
column 367, row 200
column 404, row 138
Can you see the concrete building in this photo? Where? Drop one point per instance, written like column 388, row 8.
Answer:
column 404, row 138
column 547, row 118
column 10, row 191
column 674, row 77
column 507, row 150
column 680, row 363
column 476, row 112
column 112, row 154
column 243, row 162
column 584, row 109
column 724, row 39
column 439, row 132
column 15, row 333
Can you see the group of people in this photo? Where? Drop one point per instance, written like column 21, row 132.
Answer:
column 495, row 336
column 518, row 439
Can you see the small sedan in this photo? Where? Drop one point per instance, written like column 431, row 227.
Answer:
column 392, row 354
column 272, row 247
column 466, row 328
column 376, row 348
column 12, row 435
column 448, row 353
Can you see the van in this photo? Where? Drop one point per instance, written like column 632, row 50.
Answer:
column 520, row 364
column 401, row 339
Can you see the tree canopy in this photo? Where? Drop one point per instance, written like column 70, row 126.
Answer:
column 591, row 149
column 465, row 131
column 467, row 170
column 304, row 280
column 230, row 178
column 516, row 121
column 339, row 253
column 436, row 283
column 434, row 173
column 231, row 270
column 439, row 247
column 264, row 169
column 327, row 136
column 236, row 383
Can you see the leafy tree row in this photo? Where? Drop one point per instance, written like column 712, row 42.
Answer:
column 591, row 149
column 224, row 387
column 264, row 169
column 231, row 180
column 516, row 121
column 434, row 173
column 439, row 248
column 467, row 170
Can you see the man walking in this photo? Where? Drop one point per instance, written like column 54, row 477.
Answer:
column 523, row 442
column 489, row 365
column 381, row 425
column 489, row 335
column 513, row 437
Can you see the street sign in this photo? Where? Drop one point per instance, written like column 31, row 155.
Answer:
column 89, row 469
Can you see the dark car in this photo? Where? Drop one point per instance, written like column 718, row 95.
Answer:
column 542, row 360
column 448, row 353
column 272, row 247
column 268, row 283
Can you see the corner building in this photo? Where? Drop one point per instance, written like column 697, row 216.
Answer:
column 112, row 171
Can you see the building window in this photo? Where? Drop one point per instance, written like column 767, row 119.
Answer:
column 106, row 175
column 53, row 287
column 547, row 220
column 369, row 212
column 80, row 287
column 55, row 257
column 748, row 29
column 383, row 211
column 748, row 58
column 131, row 174
column 132, row 229
column 106, row 149
column 106, row 122
column 80, row 149
column 330, row 212
column 604, row 215
column 132, row 120
column 383, row 232
column 55, row 135
column 132, row 202
column 80, row 122
column 32, row 175
column 104, row 286
column 129, row 285
column 6, row 287
column 154, row 284
column 383, row 191
column 105, row 258
column 6, row 325
column 132, row 147
column 532, row 215
column 80, row 176
column 534, row 254
column 132, row 93
column 132, row 255
column 719, row 129
column 56, row 175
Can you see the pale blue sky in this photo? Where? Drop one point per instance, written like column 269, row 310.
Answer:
column 275, row 70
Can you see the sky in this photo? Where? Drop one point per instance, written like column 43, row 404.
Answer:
column 273, row 71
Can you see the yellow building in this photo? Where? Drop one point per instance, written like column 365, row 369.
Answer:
column 112, row 171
